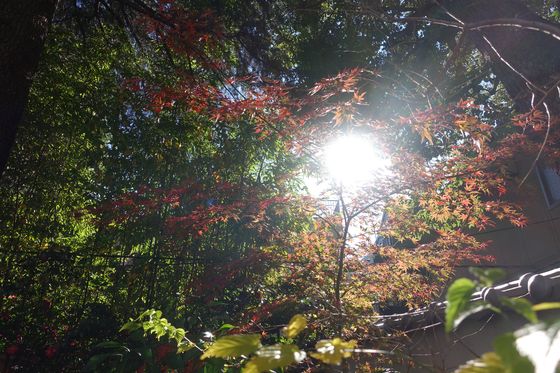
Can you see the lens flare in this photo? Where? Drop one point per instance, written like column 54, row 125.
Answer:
column 353, row 160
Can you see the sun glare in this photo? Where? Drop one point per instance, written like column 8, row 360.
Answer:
column 353, row 160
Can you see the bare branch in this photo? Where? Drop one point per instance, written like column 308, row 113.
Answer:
column 543, row 27
column 520, row 74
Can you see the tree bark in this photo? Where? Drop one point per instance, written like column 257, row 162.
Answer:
column 23, row 28
column 527, row 62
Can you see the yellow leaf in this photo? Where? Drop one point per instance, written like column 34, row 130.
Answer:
column 426, row 134
column 295, row 326
column 233, row 346
column 461, row 124
column 272, row 357
column 333, row 351
column 546, row 306
column 184, row 347
column 338, row 116
column 489, row 362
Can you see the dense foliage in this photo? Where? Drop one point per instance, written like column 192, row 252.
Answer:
column 161, row 165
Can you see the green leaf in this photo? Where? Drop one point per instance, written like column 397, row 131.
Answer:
column 272, row 357
column 147, row 325
column 546, row 306
column 522, row 307
column 184, row 347
column 233, row 346
column 295, row 326
column 507, row 351
column 179, row 335
column 523, row 365
column 159, row 331
column 488, row 276
column 227, row 327
column 458, row 296
column 333, row 351
column 504, row 345
column 130, row 326
column 471, row 309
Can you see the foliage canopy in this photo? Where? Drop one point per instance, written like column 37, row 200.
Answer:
column 162, row 161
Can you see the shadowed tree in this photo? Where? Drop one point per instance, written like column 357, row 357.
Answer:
column 523, row 47
column 23, row 28
column 520, row 45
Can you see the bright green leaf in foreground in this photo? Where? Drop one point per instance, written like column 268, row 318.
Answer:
column 458, row 296
column 272, row 357
column 507, row 350
column 233, row 346
column 333, row 351
column 295, row 326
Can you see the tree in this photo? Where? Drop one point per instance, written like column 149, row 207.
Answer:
column 170, row 174
column 501, row 26
column 521, row 75
column 22, row 35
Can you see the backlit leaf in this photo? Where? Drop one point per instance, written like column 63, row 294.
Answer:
column 295, row 326
column 272, row 357
column 184, row 347
column 233, row 346
column 458, row 296
column 227, row 327
column 487, row 363
column 333, row 351
column 546, row 306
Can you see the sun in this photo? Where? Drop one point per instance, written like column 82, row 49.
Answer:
column 352, row 160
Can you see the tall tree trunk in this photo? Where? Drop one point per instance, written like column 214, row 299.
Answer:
column 23, row 27
column 522, row 59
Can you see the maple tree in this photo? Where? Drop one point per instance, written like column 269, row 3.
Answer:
column 188, row 192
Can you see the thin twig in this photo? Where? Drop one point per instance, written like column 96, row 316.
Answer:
column 548, row 120
column 511, row 66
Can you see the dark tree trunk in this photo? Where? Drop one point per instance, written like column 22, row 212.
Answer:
column 23, row 27
column 535, row 55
